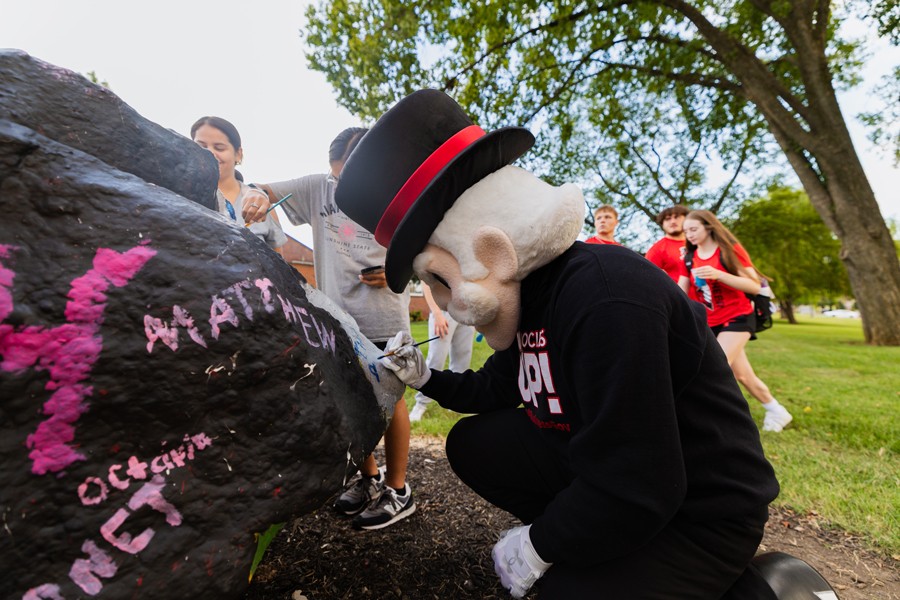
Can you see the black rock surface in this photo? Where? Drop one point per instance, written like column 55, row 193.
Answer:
column 167, row 387
column 65, row 107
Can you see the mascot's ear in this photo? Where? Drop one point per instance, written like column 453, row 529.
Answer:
column 495, row 250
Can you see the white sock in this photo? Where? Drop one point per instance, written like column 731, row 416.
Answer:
column 773, row 405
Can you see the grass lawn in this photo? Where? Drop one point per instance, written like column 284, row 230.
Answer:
column 841, row 455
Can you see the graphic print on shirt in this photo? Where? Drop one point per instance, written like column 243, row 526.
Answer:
column 710, row 292
column 535, row 378
column 344, row 234
column 347, row 231
column 328, row 209
column 704, row 292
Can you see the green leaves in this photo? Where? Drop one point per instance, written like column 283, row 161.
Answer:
column 634, row 100
column 788, row 241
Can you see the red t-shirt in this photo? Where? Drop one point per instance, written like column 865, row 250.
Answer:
column 596, row 240
column 722, row 303
column 668, row 255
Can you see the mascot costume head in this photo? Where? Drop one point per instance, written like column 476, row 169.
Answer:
column 442, row 196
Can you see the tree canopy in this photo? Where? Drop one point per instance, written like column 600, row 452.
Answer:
column 637, row 96
column 790, row 244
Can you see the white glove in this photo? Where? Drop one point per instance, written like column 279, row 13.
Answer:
column 407, row 362
column 516, row 561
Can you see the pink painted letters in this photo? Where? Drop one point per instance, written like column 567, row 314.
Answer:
column 220, row 312
column 83, row 488
column 48, row 591
column 124, row 542
column 83, row 571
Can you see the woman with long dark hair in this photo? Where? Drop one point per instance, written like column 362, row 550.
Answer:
column 720, row 278
column 222, row 139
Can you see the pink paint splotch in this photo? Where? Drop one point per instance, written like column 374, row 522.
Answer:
column 6, row 281
column 68, row 351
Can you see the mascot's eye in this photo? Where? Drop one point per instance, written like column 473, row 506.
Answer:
column 440, row 280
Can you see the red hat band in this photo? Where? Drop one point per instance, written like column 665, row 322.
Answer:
column 420, row 179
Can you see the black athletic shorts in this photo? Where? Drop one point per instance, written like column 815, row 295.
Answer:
column 741, row 323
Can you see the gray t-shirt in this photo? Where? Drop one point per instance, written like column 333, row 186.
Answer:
column 268, row 231
column 342, row 248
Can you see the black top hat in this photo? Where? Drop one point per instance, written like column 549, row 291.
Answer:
column 413, row 164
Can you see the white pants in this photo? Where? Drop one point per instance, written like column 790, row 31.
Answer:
column 458, row 342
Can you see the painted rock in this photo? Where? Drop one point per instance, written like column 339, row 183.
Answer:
column 169, row 387
column 65, row 107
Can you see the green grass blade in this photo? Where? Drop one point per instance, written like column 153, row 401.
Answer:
column 263, row 542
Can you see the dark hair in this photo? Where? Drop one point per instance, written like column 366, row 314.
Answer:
column 344, row 143
column 678, row 209
column 723, row 238
column 222, row 125
column 238, row 176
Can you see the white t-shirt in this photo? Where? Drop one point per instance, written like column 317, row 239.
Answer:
column 342, row 249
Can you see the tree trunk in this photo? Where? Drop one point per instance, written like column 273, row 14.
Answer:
column 840, row 192
column 813, row 135
column 787, row 311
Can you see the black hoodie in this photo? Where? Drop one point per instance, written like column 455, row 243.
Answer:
column 624, row 378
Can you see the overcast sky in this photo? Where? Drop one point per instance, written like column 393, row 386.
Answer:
column 177, row 61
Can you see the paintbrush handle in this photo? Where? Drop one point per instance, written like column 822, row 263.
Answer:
column 272, row 207
column 393, row 352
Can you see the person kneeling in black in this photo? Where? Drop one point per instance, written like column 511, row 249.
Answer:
column 608, row 420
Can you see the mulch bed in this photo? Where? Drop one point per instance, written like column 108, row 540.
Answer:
column 443, row 549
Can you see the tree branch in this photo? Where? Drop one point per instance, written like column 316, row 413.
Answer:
column 555, row 96
column 687, row 169
column 653, row 174
column 628, row 196
column 810, row 179
column 820, row 32
column 689, row 78
column 759, row 85
column 567, row 19
column 727, row 188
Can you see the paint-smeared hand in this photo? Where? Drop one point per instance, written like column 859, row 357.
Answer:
column 254, row 206
column 407, row 362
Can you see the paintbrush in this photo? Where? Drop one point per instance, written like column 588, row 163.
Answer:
column 271, row 208
column 413, row 346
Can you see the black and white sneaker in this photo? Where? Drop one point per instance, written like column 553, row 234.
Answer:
column 388, row 508
column 361, row 491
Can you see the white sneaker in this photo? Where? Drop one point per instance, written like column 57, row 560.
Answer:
column 417, row 412
column 776, row 420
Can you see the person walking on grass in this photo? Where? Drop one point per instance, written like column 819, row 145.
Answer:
column 720, row 277
column 605, row 220
column 456, row 339
column 343, row 250
column 668, row 253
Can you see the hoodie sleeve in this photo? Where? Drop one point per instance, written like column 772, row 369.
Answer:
column 493, row 387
